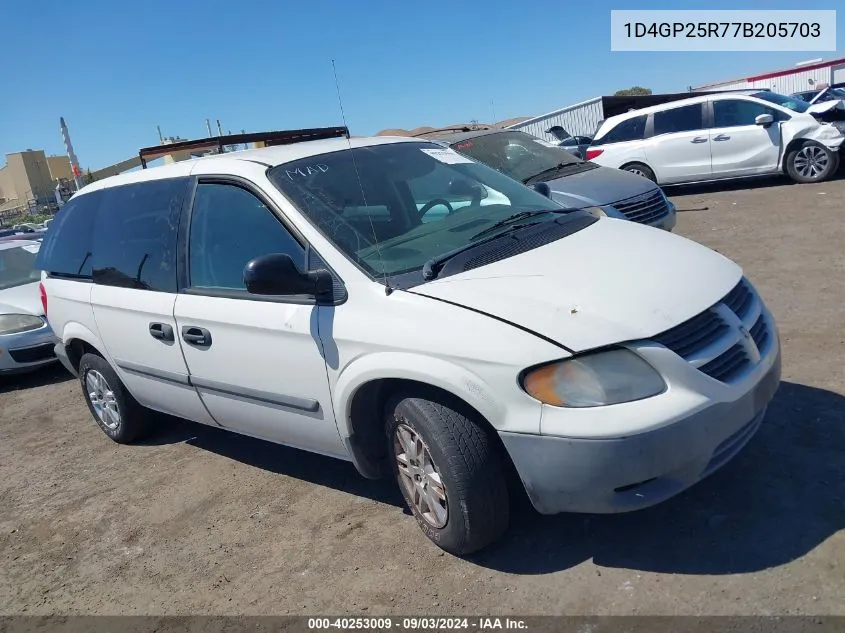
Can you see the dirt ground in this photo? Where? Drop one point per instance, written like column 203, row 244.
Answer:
column 201, row 521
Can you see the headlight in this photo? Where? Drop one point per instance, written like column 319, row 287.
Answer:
column 14, row 323
column 594, row 380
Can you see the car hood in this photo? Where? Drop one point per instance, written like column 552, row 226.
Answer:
column 825, row 106
column 614, row 281
column 24, row 299
column 598, row 187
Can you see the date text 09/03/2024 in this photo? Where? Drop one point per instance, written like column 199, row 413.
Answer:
column 416, row 623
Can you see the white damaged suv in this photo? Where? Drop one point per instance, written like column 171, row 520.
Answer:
column 295, row 294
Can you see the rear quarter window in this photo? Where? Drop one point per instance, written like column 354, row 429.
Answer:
column 66, row 249
column 632, row 129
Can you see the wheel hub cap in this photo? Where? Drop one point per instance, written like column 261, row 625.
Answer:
column 811, row 161
column 102, row 399
column 419, row 477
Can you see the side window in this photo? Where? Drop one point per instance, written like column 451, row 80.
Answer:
column 628, row 130
column 66, row 249
column 734, row 112
column 683, row 119
column 135, row 235
column 229, row 227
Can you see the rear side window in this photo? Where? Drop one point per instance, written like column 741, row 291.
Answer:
column 135, row 235
column 66, row 249
column 683, row 119
column 628, row 130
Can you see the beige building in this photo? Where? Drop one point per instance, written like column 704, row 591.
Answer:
column 29, row 179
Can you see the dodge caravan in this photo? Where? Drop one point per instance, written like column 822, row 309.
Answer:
column 294, row 293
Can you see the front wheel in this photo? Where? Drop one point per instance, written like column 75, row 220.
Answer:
column 450, row 473
column 812, row 162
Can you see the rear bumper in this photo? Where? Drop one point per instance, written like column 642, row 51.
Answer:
column 61, row 353
column 629, row 473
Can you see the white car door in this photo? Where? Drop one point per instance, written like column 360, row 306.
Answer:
column 738, row 146
column 679, row 149
column 257, row 362
column 134, row 290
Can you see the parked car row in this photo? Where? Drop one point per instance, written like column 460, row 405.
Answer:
column 398, row 304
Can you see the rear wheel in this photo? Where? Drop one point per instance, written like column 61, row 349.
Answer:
column 641, row 170
column 116, row 412
column 450, row 472
column 811, row 162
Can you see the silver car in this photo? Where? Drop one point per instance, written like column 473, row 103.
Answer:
column 572, row 181
column 26, row 340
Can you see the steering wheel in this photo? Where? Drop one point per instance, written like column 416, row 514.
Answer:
column 428, row 206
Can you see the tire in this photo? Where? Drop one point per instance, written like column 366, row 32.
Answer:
column 811, row 162
column 114, row 409
column 449, row 444
column 641, row 170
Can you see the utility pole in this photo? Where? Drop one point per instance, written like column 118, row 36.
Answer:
column 208, row 127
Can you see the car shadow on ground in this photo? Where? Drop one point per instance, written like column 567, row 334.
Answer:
column 275, row 458
column 49, row 375
column 740, row 184
column 782, row 496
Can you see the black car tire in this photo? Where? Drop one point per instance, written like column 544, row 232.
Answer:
column 470, row 466
column 104, row 392
column 800, row 161
column 641, row 170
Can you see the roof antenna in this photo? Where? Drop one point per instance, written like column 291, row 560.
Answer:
column 387, row 289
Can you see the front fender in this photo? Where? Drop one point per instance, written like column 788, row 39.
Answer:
column 410, row 366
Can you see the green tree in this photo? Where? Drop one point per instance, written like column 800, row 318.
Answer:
column 88, row 178
column 636, row 91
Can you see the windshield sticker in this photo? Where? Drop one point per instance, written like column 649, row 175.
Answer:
column 307, row 170
column 545, row 143
column 447, row 156
column 31, row 248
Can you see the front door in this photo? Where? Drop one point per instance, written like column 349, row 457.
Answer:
column 679, row 150
column 738, row 146
column 256, row 362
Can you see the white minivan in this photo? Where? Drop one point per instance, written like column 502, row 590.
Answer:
column 723, row 136
column 296, row 294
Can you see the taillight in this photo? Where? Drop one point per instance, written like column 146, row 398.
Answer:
column 594, row 153
column 43, row 297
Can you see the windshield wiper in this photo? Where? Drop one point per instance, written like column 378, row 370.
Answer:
column 548, row 172
column 434, row 265
column 511, row 219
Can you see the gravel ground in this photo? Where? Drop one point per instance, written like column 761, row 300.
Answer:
column 202, row 521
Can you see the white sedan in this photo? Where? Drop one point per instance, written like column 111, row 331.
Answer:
column 26, row 340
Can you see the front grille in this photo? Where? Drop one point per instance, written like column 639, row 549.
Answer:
column 33, row 354
column 648, row 208
column 721, row 341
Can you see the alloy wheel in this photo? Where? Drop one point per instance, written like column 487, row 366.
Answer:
column 811, row 161
column 102, row 399
column 419, row 476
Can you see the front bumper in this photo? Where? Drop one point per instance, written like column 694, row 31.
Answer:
column 27, row 351
column 620, row 474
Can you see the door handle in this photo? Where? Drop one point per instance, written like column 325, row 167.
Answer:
column 722, row 137
column 196, row 335
column 699, row 139
column 162, row 331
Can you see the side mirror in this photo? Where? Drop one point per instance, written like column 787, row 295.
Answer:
column 276, row 274
column 764, row 119
column 543, row 188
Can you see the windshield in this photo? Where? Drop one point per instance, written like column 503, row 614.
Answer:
column 517, row 154
column 796, row 104
column 414, row 201
column 17, row 265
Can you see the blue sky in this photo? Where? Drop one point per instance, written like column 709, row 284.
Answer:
column 115, row 70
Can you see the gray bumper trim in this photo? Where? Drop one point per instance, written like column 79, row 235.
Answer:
column 622, row 474
column 61, row 354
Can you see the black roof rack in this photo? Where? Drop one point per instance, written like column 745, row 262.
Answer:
column 219, row 143
column 612, row 106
